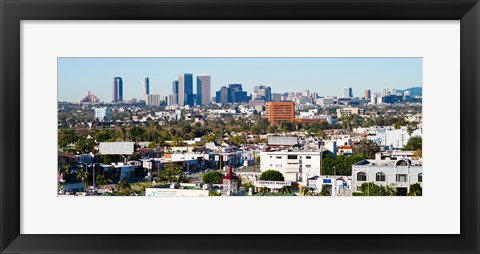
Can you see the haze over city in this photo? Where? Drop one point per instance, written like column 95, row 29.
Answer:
column 326, row 76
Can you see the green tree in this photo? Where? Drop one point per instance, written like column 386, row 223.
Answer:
column 415, row 190
column 306, row 191
column 324, row 191
column 171, row 172
column 371, row 189
column 367, row 148
column 271, row 175
column 123, row 188
column 102, row 181
column 413, row 144
column 409, row 130
column 82, row 175
column 64, row 170
column 213, row 177
column 236, row 139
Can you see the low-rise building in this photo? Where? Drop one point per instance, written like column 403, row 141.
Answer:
column 341, row 112
column 294, row 166
column 401, row 173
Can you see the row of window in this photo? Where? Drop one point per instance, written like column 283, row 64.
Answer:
column 292, row 157
column 380, row 177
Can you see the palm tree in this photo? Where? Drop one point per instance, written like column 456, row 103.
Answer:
column 82, row 175
column 124, row 187
column 102, row 181
column 306, row 191
column 285, row 190
column 64, row 170
column 410, row 131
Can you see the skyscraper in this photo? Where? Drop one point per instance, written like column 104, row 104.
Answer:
column 263, row 92
column 367, row 94
column 348, row 92
column 174, row 99
column 117, row 89
column 146, row 88
column 185, row 90
column 203, row 89
column 222, row 96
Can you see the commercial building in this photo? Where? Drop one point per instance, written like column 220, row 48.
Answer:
column 203, row 89
column 341, row 112
column 117, row 89
column 367, row 94
column 262, row 92
column 348, row 92
column 146, row 88
column 174, row 100
column 294, row 166
column 89, row 98
column 153, row 100
column 276, row 97
column 185, row 90
column 231, row 94
column 400, row 173
column 277, row 112
column 101, row 113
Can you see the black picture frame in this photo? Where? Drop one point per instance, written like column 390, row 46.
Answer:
column 13, row 11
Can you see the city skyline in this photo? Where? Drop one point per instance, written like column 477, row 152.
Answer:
column 326, row 76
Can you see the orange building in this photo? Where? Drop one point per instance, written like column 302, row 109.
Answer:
column 283, row 111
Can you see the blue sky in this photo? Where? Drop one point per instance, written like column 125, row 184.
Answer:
column 326, row 76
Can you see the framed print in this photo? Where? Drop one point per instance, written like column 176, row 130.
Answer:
column 238, row 125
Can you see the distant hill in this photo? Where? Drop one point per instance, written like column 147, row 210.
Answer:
column 414, row 91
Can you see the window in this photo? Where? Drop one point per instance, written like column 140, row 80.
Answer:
column 309, row 157
column 420, row 176
column 308, row 166
column 292, row 157
column 278, row 157
column 380, row 177
column 402, row 178
column 362, row 177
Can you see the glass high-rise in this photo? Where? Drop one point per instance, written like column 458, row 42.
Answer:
column 146, row 88
column 185, row 90
column 117, row 89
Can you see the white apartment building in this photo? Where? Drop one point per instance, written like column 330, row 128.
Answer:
column 401, row 172
column 341, row 112
column 295, row 166
column 101, row 113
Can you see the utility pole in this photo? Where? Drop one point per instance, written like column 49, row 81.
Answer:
column 221, row 156
column 254, row 159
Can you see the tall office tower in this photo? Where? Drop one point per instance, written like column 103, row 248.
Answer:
column 174, row 92
column 222, row 95
column 348, row 92
column 185, row 90
column 263, row 92
column 117, row 89
column 368, row 94
column 306, row 93
column 236, row 93
column 276, row 96
column 203, row 89
column 277, row 112
column 146, row 88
